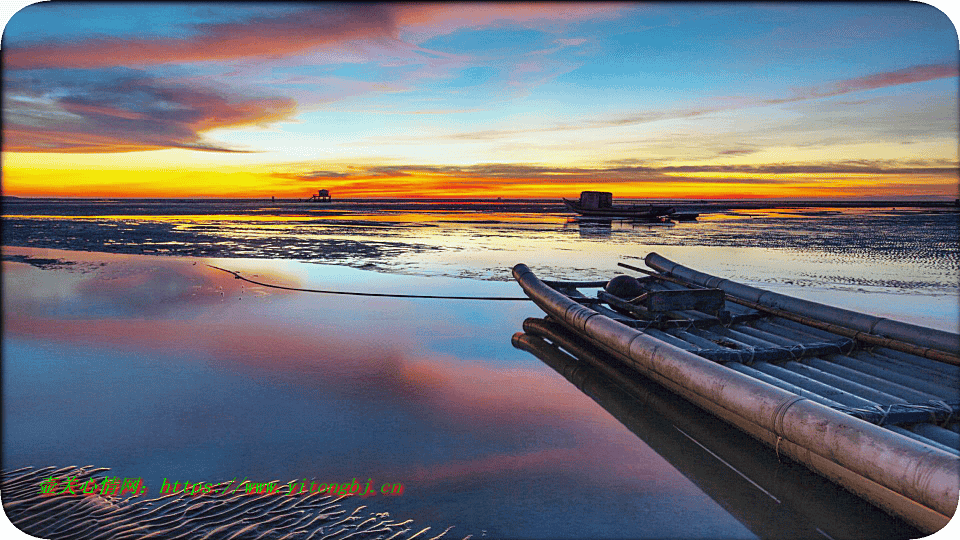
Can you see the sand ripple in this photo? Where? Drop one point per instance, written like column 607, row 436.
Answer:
column 231, row 516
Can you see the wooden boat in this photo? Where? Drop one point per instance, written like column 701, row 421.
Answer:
column 869, row 403
column 600, row 204
column 629, row 212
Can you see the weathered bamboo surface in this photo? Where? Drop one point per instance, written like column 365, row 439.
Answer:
column 858, row 335
column 869, row 324
column 220, row 516
column 794, row 405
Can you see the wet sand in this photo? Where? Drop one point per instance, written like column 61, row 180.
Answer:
column 865, row 258
column 234, row 515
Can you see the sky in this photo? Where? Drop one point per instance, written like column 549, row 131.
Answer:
column 528, row 100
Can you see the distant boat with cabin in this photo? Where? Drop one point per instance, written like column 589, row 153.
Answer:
column 600, row 204
column 321, row 196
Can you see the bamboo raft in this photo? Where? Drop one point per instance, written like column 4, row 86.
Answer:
column 869, row 403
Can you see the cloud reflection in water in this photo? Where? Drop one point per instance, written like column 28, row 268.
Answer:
column 141, row 365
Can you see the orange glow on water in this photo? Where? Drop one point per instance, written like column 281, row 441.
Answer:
column 336, row 214
column 475, row 218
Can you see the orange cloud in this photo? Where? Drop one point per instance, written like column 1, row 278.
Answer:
column 127, row 114
column 700, row 181
column 912, row 74
column 291, row 34
column 428, row 20
column 260, row 37
column 506, row 173
column 68, row 110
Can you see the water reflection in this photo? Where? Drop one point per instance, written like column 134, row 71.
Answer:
column 900, row 251
column 160, row 366
column 285, row 386
column 772, row 498
column 594, row 227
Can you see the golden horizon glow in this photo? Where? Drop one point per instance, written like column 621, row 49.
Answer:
column 201, row 184
column 432, row 101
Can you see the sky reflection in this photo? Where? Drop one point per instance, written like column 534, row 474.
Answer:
column 284, row 385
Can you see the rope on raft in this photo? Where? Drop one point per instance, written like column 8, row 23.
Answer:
column 775, row 354
column 934, row 411
column 382, row 295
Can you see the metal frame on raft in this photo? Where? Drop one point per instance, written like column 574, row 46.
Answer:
column 802, row 377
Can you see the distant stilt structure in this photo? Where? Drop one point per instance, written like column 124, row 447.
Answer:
column 320, row 196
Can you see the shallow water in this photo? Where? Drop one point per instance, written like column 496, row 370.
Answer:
column 161, row 367
column 142, row 366
column 903, row 263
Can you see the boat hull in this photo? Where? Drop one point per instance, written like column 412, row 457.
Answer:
column 646, row 213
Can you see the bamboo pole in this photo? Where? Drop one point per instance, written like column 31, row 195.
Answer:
column 863, row 337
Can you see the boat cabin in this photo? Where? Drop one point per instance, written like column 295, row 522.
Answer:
column 321, row 196
column 593, row 200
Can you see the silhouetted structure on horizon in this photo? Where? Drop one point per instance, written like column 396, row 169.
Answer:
column 321, row 196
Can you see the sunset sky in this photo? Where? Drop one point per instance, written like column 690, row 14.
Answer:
column 725, row 100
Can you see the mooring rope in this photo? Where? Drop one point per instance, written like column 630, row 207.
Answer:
column 934, row 411
column 382, row 295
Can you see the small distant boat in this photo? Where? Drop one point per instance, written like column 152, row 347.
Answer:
column 600, row 204
column 869, row 403
column 683, row 216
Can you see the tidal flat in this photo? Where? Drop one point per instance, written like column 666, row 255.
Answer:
column 124, row 349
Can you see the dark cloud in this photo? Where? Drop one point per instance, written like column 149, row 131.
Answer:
column 497, row 175
column 853, row 166
column 109, row 112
